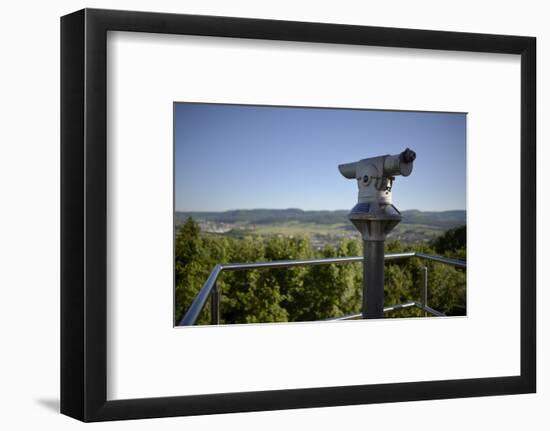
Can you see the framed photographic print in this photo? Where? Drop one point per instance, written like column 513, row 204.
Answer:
column 262, row 215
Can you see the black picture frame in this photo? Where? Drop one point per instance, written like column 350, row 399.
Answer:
column 84, row 214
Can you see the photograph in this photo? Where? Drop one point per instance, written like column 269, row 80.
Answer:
column 268, row 227
column 285, row 212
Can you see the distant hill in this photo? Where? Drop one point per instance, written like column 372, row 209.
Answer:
column 442, row 219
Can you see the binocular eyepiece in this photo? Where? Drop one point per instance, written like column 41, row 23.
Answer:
column 386, row 166
column 375, row 177
column 407, row 156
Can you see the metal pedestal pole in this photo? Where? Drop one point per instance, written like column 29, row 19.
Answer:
column 373, row 279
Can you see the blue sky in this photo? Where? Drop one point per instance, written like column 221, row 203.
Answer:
column 245, row 157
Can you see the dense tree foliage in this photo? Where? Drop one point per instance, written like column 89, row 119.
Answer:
column 452, row 241
column 312, row 292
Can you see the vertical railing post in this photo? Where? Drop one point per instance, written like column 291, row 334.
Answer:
column 424, row 289
column 215, row 304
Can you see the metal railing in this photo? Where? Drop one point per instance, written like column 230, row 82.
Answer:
column 212, row 290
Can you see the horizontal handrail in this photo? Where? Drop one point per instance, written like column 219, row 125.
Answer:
column 441, row 259
column 391, row 308
column 199, row 302
column 305, row 262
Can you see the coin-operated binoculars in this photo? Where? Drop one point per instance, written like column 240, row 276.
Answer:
column 375, row 216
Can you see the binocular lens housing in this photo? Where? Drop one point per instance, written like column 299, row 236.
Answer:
column 389, row 165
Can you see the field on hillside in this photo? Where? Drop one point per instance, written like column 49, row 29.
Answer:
column 321, row 227
column 331, row 234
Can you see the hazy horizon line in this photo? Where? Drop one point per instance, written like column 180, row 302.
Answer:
column 300, row 209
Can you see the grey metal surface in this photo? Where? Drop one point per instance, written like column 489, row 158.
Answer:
column 215, row 304
column 395, row 307
column 441, row 259
column 373, row 280
column 200, row 300
column 398, row 164
column 375, row 175
column 424, row 288
column 431, row 310
column 346, row 317
column 348, row 170
column 374, row 216
column 400, row 306
column 306, row 262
